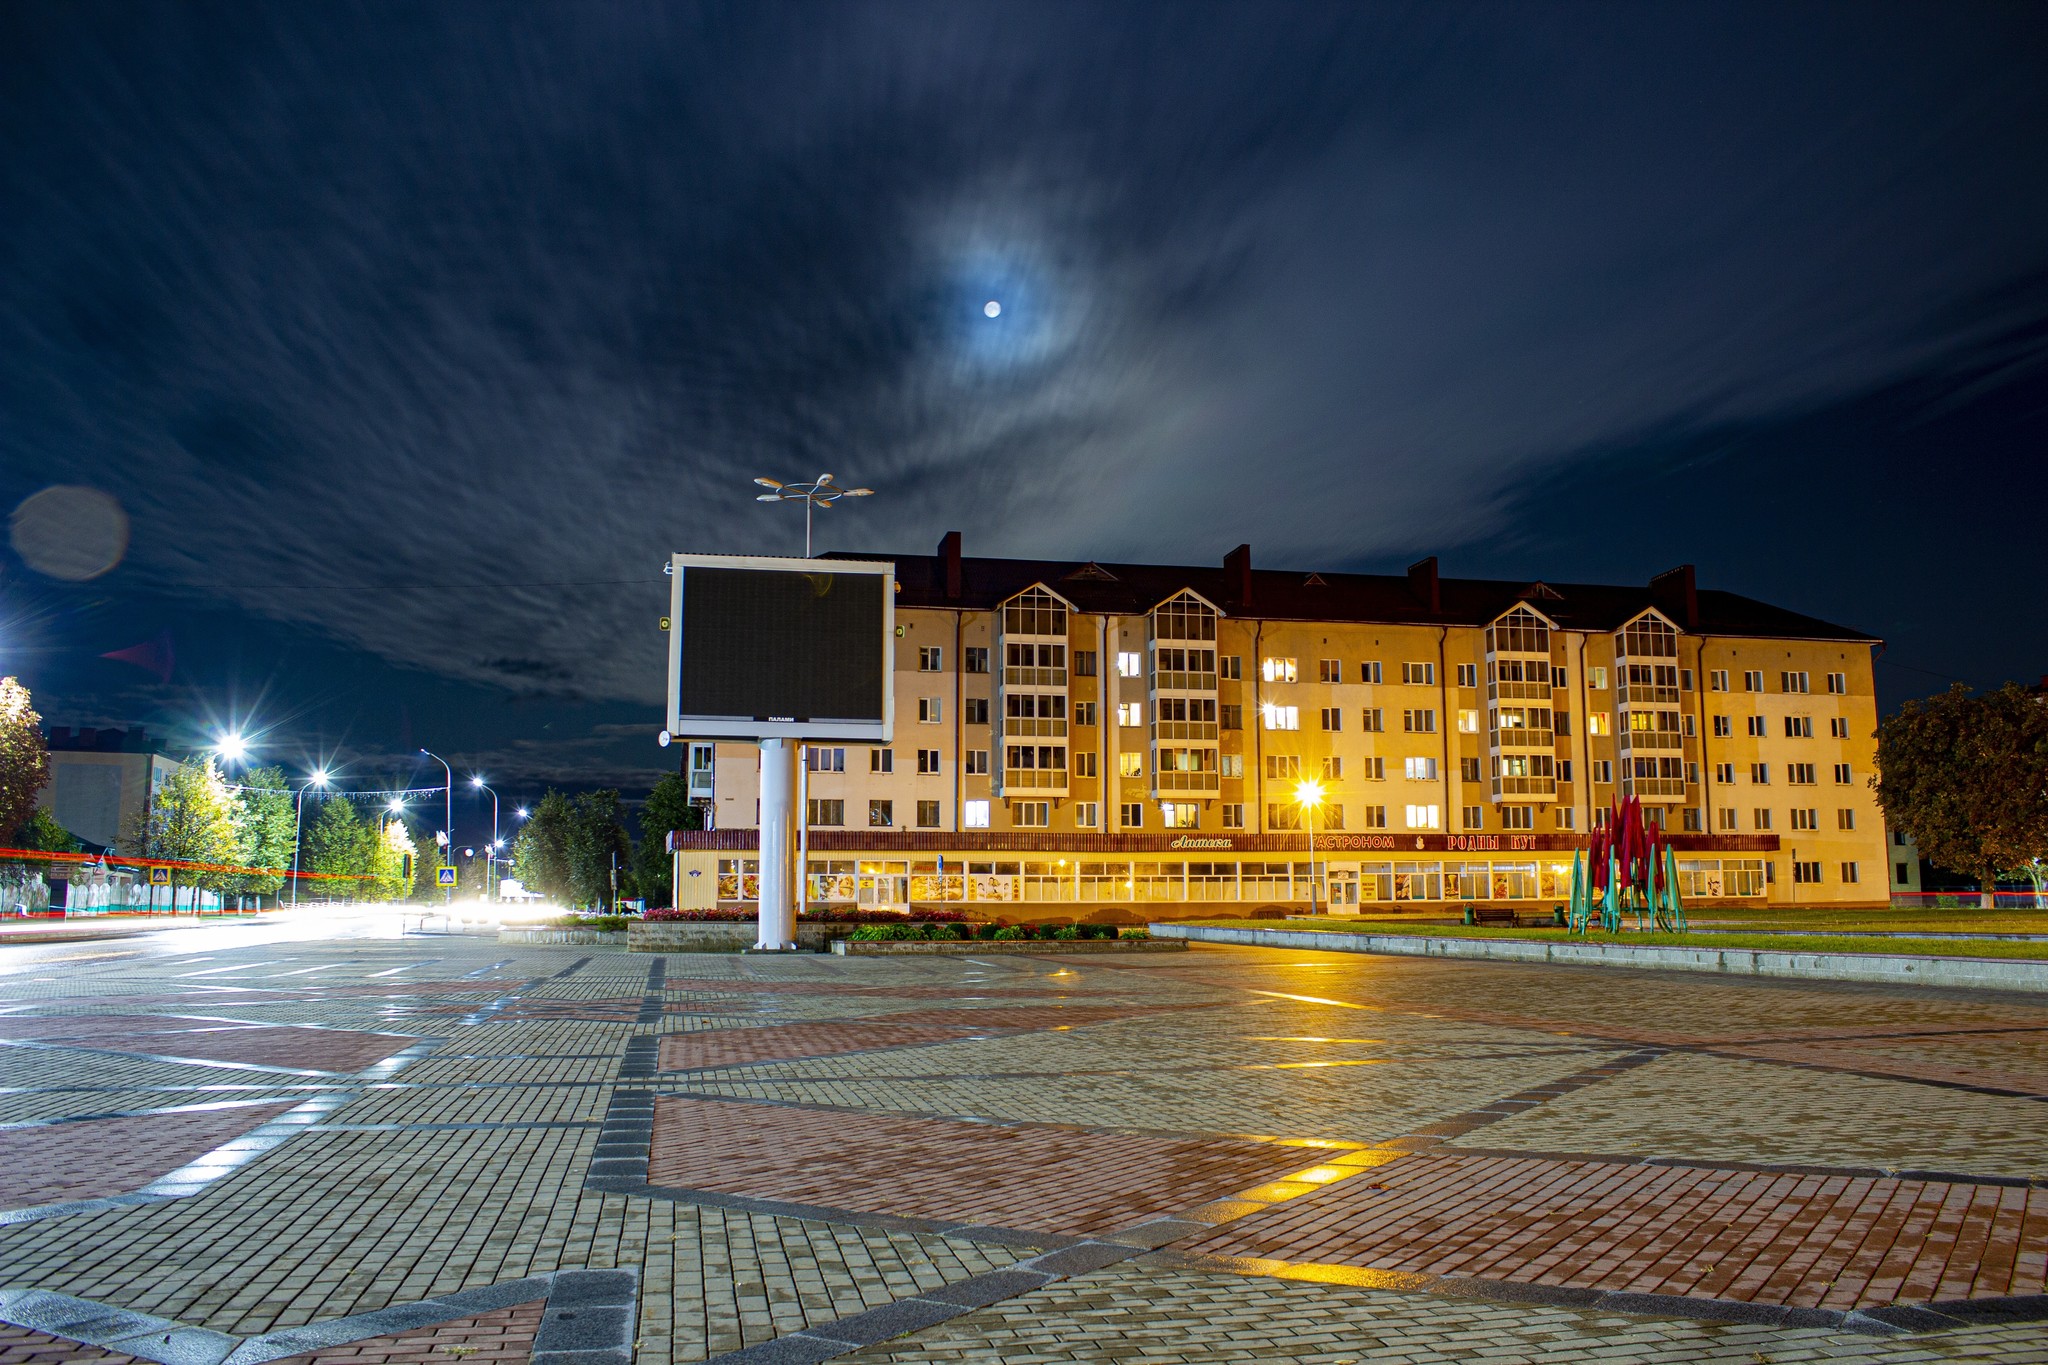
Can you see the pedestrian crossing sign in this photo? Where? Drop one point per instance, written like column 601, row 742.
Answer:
column 159, row 876
column 444, row 876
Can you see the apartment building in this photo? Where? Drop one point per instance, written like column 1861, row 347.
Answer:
column 1095, row 735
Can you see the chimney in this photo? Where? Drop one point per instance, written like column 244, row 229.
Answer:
column 1423, row 582
column 1677, row 596
column 949, row 563
column 1237, row 579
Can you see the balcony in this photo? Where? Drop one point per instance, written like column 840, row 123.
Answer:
column 1034, row 677
column 1184, row 729
column 1524, row 737
column 1645, row 694
column 1518, row 691
column 1183, row 682
column 1654, row 786
column 1054, row 727
column 1652, row 739
column 703, row 782
column 1163, row 783
column 1523, row 788
column 1049, row 780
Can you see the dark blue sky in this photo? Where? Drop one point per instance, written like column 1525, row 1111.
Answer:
column 410, row 339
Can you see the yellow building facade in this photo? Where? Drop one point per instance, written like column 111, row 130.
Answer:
column 1086, row 738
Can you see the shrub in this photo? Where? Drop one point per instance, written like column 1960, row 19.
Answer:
column 1135, row 933
column 1066, row 932
column 1008, row 933
column 988, row 931
column 722, row 915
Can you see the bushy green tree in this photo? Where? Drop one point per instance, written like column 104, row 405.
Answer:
column 24, row 757
column 1966, row 775
column 668, row 808
column 390, row 849
column 191, row 818
column 340, row 844
column 540, row 855
column 266, row 821
column 599, row 849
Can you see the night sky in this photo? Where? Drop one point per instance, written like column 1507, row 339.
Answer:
column 410, row 339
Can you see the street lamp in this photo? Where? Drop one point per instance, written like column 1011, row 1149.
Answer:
column 478, row 783
column 449, row 804
column 231, row 747
column 317, row 779
column 1310, row 795
column 820, row 493
column 521, row 812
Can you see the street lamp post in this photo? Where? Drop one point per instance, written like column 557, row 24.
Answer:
column 478, row 783
column 318, row 779
column 1310, row 795
column 448, row 812
column 820, row 492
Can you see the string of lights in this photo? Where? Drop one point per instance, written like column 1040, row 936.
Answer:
column 323, row 793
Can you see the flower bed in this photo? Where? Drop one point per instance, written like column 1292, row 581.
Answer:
column 733, row 914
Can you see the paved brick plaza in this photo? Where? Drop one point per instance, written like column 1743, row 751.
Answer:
column 443, row 1149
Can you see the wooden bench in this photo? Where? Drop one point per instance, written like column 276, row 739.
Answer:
column 1506, row 918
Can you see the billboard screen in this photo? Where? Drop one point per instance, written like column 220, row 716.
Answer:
column 799, row 648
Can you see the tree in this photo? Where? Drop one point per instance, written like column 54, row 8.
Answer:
column 540, row 855
column 340, row 845
column 668, row 808
column 191, row 818
column 42, row 833
column 24, row 757
column 599, row 848
column 389, row 849
column 1966, row 775
column 267, row 822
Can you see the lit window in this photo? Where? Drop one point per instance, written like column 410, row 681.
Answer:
column 1468, row 722
column 1281, row 717
column 974, row 814
column 1419, row 769
column 1130, row 713
column 1130, row 665
column 1180, row 814
column 1277, row 670
column 1599, row 723
column 1232, row 765
column 1424, row 817
column 1596, row 679
column 1130, row 764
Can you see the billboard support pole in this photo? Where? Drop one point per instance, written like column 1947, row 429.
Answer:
column 776, row 925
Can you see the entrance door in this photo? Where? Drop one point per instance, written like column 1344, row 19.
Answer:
column 885, row 886
column 1343, row 886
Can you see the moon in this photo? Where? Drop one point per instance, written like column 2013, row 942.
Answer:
column 992, row 308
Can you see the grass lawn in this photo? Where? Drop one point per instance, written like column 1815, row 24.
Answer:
column 1918, row 947
column 1921, row 920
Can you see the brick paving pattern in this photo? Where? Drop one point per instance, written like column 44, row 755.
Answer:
column 501, row 1338
column 1124, row 1088
column 1031, row 1178
column 735, row 1047
column 1804, row 1241
column 20, row 1346
column 99, row 1157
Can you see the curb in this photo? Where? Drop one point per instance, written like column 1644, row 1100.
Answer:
column 1971, row 973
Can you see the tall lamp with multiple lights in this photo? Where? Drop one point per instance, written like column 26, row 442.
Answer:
column 819, row 493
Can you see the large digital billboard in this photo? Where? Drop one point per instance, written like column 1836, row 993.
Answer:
column 796, row 648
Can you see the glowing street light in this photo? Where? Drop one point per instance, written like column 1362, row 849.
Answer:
column 820, row 493
column 1309, row 795
column 522, row 812
column 478, row 783
column 317, row 778
column 231, row 747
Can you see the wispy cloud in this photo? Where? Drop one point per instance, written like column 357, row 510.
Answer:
column 438, row 333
